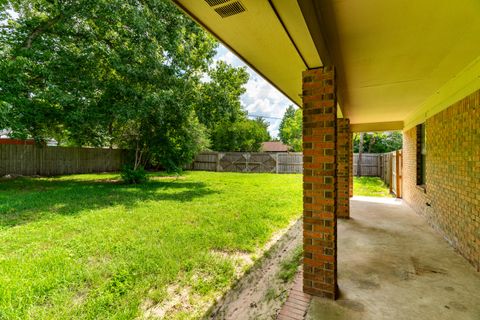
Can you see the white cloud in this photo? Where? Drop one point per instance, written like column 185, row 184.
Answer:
column 260, row 98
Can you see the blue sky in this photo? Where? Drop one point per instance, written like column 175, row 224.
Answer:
column 261, row 97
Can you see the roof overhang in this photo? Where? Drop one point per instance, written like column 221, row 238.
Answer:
column 270, row 36
column 397, row 61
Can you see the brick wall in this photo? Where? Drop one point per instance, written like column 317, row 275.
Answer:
column 319, row 187
column 344, row 154
column 452, row 175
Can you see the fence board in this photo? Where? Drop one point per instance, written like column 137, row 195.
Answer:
column 370, row 164
column 34, row 160
column 387, row 166
column 290, row 162
column 248, row 162
column 47, row 161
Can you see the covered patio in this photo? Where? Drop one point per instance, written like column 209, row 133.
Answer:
column 356, row 66
column 392, row 265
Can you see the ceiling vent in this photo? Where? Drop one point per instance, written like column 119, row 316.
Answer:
column 213, row 3
column 230, row 9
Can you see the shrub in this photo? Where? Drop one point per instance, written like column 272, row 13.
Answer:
column 133, row 176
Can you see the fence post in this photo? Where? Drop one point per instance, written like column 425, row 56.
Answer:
column 218, row 162
column 276, row 162
column 397, row 169
column 400, row 172
column 391, row 172
column 379, row 165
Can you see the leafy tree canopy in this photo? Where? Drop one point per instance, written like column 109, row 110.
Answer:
column 378, row 142
column 220, row 110
column 220, row 96
column 246, row 135
column 289, row 114
column 128, row 74
column 104, row 72
column 290, row 130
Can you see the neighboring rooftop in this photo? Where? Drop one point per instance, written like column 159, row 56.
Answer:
column 274, row 146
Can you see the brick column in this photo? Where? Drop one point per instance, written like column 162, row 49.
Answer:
column 350, row 162
column 319, row 183
column 343, row 168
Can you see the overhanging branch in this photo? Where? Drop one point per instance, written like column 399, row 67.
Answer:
column 41, row 29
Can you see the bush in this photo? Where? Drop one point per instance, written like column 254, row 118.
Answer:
column 134, row 176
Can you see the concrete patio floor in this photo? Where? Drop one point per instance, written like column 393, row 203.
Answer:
column 392, row 265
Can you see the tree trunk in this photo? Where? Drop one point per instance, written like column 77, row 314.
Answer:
column 360, row 151
column 138, row 157
column 372, row 142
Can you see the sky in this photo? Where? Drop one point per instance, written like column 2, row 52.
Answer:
column 261, row 98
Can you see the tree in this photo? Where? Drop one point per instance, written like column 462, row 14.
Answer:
column 360, row 151
column 103, row 73
column 246, row 135
column 220, row 110
column 378, row 142
column 290, row 130
column 219, row 98
column 289, row 114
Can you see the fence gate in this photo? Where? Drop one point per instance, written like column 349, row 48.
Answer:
column 393, row 185
column 396, row 177
column 281, row 162
column 247, row 162
column 399, row 154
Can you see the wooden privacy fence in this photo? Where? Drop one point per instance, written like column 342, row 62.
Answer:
column 370, row 165
column 387, row 166
column 291, row 162
column 396, row 173
column 48, row 161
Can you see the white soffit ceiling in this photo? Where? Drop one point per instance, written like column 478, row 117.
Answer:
column 270, row 36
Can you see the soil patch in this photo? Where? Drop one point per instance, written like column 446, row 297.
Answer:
column 261, row 292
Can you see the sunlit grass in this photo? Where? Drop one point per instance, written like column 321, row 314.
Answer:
column 370, row 186
column 89, row 247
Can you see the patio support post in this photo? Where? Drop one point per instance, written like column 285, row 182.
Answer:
column 350, row 161
column 319, row 183
column 343, row 168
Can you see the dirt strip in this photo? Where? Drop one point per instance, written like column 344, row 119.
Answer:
column 260, row 293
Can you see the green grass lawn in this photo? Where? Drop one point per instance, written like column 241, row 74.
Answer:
column 370, row 186
column 87, row 247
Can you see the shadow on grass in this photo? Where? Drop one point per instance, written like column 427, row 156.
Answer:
column 27, row 200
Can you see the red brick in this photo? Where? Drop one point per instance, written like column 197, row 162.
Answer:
column 320, row 179
column 344, row 159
